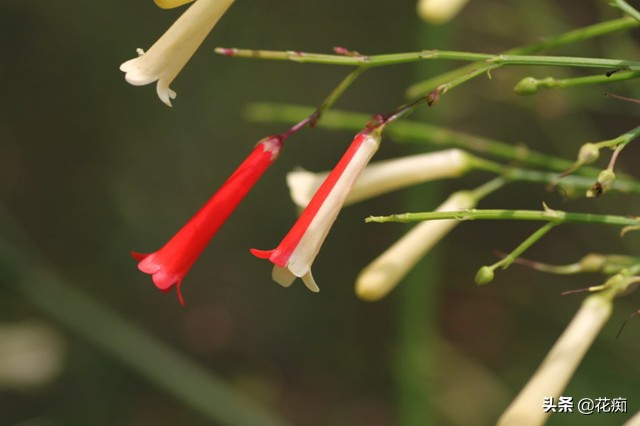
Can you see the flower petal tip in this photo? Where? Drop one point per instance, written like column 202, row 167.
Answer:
column 373, row 285
column 262, row 254
column 138, row 256
column 308, row 280
column 165, row 93
column 179, row 293
column 282, row 276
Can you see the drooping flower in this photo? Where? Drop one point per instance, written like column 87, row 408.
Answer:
column 384, row 176
column 169, row 265
column 387, row 270
column 166, row 58
column 296, row 252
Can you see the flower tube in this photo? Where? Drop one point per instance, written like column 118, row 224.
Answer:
column 170, row 4
column 387, row 270
column 385, row 176
column 169, row 265
column 560, row 363
column 166, row 58
column 296, row 252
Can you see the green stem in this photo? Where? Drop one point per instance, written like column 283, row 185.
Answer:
column 473, row 70
column 338, row 91
column 626, row 8
column 513, row 174
column 400, row 58
column 532, row 239
column 530, row 85
column 487, row 188
column 549, row 215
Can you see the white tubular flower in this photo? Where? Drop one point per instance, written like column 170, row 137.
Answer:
column 559, row 365
column 385, row 272
column 633, row 421
column 384, row 176
column 296, row 252
column 439, row 11
column 166, row 58
column 170, row 4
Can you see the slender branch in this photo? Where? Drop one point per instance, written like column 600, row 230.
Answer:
column 473, row 70
column 533, row 238
column 400, row 58
column 337, row 92
column 531, row 85
column 513, row 174
column 626, row 8
column 549, row 215
column 486, row 273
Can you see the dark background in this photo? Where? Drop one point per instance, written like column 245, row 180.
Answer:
column 92, row 168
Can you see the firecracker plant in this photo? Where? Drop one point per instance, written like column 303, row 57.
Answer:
column 356, row 176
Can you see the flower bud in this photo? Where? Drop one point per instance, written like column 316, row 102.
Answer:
column 484, row 275
column 589, row 152
column 527, row 86
column 605, row 181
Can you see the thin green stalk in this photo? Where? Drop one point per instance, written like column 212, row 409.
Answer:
column 400, row 58
column 474, row 70
column 506, row 261
column 548, row 215
column 531, row 85
column 338, row 91
column 487, row 188
column 626, row 8
column 513, row 174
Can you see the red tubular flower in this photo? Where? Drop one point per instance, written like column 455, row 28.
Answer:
column 169, row 265
column 296, row 252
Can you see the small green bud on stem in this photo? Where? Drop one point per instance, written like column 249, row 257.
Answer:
column 484, row 275
column 526, row 86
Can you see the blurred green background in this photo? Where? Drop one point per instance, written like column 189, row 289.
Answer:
column 92, row 168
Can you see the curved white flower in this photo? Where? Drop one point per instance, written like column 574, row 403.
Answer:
column 387, row 270
column 633, row 421
column 166, row 58
column 384, row 176
column 296, row 252
column 439, row 11
column 560, row 363
column 170, row 4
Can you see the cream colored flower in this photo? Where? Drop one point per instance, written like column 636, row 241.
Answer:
column 633, row 421
column 170, row 4
column 384, row 176
column 439, row 11
column 559, row 365
column 386, row 271
column 166, row 58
